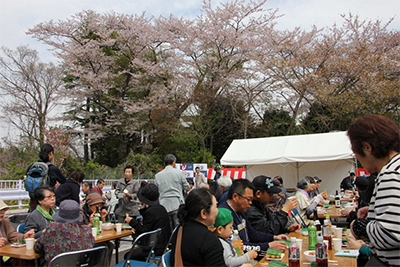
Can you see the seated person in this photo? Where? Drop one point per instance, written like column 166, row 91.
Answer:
column 224, row 184
column 154, row 216
column 42, row 215
column 9, row 235
column 66, row 233
column 223, row 229
column 262, row 218
column 94, row 202
column 316, row 192
column 240, row 197
column 305, row 204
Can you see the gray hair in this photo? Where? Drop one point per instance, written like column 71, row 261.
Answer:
column 169, row 159
column 225, row 181
column 303, row 183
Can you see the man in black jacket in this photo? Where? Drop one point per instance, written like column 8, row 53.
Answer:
column 261, row 217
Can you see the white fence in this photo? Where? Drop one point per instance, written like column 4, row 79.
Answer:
column 15, row 190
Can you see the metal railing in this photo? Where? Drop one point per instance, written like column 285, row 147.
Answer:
column 15, row 190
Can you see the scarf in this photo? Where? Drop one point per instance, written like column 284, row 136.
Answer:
column 45, row 214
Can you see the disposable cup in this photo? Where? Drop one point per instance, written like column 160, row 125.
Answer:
column 337, row 243
column 299, row 242
column 29, row 243
column 304, row 231
column 338, row 232
column 94, row 231
column 118, row 226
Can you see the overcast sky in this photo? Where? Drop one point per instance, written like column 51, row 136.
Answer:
column 17, row 16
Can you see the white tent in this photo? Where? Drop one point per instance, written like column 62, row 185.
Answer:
column 326, row 155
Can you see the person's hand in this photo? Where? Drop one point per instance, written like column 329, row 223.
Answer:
column 362, row 212
column 278, row 237
column 345, row 212
column 294, row 227
column 128, row 219
column 3, row 241
column 252, row 254
column 91, row 218
column 354, row 244
column 103, row 215
column 290, row 205
column 278, row 245
column 31, row 233
column 324, row 195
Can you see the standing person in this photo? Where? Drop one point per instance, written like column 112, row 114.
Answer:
column 171, row 183
column 8, row 233
column 216, row 189
column 99, row 186
column 71, row 188
column 262, row 218
column 154, row 216
column 200, row 179
column 127, row 200
column 199, row 246
column 42, row 215
column 66, row 232
column 375, row 141
column 348, row 182
column 282, row 187
column 239, row 200
column 111, row 197
column 55, row 175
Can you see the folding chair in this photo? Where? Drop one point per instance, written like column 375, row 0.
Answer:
column 166, row 259
column 21, row 228
column 147, row 240
column 17, row 219
column 88, row 257
column 157, row 259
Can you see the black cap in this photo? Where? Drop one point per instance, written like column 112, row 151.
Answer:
column 265, row 183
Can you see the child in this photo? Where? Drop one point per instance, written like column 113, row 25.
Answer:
column 223, row 229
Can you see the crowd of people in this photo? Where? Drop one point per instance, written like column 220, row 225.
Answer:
column 200, row 219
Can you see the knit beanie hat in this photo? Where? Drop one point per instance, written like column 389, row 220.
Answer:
column 223, row 218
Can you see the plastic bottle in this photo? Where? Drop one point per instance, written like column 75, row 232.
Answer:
column 294, row 253
column 96, row 220
column 321, row 253
column 312, row 235
column 237, row 243
column 317, row 223
column 329, row 221
column 327, row 233
column 337, row 200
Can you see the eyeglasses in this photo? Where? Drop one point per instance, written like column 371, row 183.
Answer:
column 248, row 199
column 51, row 196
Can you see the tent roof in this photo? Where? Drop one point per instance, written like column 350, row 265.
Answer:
column 286, row 149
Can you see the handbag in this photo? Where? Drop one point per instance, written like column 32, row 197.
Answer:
column 178, row 254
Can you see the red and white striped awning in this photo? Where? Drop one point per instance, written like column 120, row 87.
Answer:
column 236, row 173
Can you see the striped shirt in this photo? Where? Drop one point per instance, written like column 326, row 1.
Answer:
column 384, row 214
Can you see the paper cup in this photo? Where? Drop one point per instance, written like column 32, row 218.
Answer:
column 338, row 232
column 94, row 232
column 337, row 243
column 118, row 226
column 29, row 243
column 299, row 242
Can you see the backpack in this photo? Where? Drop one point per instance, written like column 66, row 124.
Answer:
column 37, row 175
